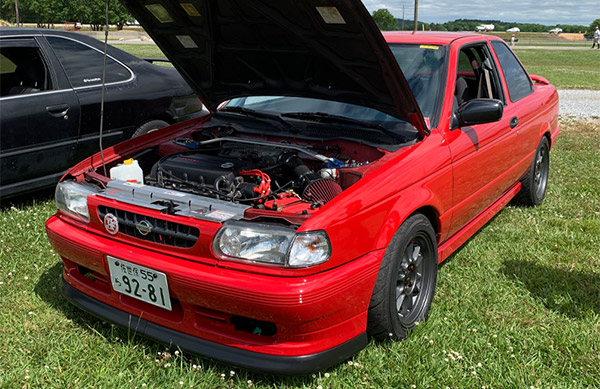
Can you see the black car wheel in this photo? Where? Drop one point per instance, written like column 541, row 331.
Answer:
column 535, row 181
column 406, row 281
column 150, row 126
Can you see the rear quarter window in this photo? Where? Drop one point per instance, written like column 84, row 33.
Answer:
column 518, row 82
column 83, row 64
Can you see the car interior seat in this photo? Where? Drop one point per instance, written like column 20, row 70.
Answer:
column 30, row 77
column 461, row 91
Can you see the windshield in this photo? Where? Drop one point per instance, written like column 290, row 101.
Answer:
column 423, row 67
column 284, row 104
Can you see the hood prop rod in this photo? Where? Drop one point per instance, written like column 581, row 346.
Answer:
column 103, row 88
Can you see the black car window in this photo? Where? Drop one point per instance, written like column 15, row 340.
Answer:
column 22, row 68
column 518, row 82
column 83, row 64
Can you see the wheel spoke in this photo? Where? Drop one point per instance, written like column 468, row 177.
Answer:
column 416, row 251
column 400, row 298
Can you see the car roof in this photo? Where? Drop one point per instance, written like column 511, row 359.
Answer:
column 433, row 37
column 35, row 31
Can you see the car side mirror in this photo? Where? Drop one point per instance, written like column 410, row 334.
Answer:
column 477, row 111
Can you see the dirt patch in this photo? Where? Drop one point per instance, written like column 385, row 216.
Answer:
column 572, row 36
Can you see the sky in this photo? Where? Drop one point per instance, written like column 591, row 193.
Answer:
column 581, row 12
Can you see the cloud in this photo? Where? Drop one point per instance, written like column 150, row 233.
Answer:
column 523, row 11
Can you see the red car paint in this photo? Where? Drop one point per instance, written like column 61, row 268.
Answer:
column 457, row 181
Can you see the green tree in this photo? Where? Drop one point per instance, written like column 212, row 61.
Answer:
column 593, row 25
column 385, row 20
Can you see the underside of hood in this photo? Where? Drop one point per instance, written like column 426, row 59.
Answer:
column 325, row 49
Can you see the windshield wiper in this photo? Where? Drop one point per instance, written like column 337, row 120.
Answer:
column 323, row 117
column 258, row 114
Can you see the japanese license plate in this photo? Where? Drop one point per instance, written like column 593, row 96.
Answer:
column 139, row 282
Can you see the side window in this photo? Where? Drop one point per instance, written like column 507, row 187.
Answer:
column 83, row 64
column 22, row 68
column 464, row 64
column 477, row 76
column 517, row 80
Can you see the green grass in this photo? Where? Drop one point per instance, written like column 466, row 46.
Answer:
column 517, row 306
column 573, row 69
column 146, row 50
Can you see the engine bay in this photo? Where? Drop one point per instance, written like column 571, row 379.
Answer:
column 267, row 177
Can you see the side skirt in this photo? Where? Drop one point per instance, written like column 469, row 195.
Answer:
column 461, row 236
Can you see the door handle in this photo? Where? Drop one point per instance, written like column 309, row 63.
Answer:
column 58, row 110
column 514, row 122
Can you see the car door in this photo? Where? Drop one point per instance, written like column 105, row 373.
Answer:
column 481, row 154
column 521, row 107
column 83, row 65
column 39, row 118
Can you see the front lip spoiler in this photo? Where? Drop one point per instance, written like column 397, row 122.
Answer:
column 275, row 364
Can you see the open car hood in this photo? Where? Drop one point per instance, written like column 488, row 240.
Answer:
column 328, row 50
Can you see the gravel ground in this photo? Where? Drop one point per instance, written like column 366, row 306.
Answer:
column 579, row 103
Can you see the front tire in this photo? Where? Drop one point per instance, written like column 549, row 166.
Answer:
column 535, row 181
column 406, row 280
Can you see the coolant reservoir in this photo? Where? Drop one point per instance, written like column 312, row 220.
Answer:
column 129, row 171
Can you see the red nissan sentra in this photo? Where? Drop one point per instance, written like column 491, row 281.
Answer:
column 310, row 210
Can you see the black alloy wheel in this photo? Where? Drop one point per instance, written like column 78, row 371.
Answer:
column 535, row 181
column 411, row 281
column 406, row 280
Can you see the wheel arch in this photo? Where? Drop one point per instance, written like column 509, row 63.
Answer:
column 424, row 203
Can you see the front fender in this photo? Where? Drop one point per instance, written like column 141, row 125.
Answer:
column 365, row 217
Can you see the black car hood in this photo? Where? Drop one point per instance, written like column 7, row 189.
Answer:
column 325, row 49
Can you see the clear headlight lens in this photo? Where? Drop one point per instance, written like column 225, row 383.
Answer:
column 71, row 198
column 270, row 244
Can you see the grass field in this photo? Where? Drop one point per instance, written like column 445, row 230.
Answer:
column 573, row 69
column 569, row 69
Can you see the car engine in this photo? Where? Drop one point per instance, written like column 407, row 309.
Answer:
column 247, row 175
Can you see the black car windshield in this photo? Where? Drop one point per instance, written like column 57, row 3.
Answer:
column 422, row 66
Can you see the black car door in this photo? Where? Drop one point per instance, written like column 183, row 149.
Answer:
column 39, row 117
column 83, row 65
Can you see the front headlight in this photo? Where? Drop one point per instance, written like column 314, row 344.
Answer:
column 71, row 198
column 270, row 244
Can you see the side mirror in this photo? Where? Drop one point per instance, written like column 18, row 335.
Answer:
column 477, row 111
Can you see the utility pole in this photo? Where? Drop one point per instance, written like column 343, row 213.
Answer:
column 416, row 15
column 402, row 16
column 17, row 12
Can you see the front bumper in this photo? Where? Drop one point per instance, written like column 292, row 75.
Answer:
column 264, row 362
column 320, row 319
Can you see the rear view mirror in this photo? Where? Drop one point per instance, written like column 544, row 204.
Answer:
column 477, row 111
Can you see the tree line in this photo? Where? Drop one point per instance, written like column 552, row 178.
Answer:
column 387, row 22
column 47, row 13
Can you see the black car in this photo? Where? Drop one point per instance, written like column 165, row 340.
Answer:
column 51, row 83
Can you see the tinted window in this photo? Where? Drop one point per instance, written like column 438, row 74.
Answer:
column 22, row 68
column 518, row 82
column 83, row 64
